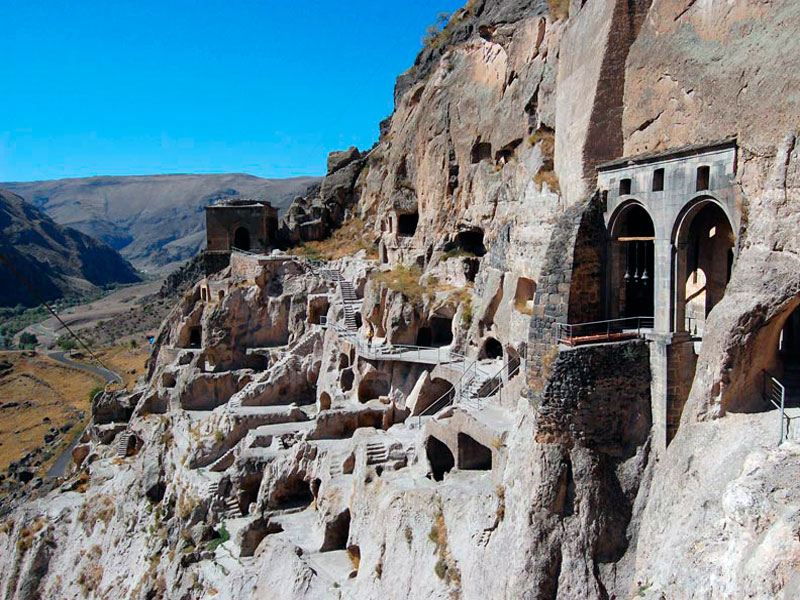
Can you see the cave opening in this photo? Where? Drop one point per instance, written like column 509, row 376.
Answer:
column 373, row 386
column 337, row 532
column 481, row 151
column 439, row 457
column 407, row 224
column 441, row 331
column 472, row 455
column 492, row 348
column 468, row 242
column 293, row 492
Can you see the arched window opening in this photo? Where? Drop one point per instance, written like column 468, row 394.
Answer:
column 632, row 264
column 705, row 261
column 523, row 297
column 324, row 401
column 241, row 239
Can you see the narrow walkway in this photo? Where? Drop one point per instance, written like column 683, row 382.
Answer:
column 476, row 382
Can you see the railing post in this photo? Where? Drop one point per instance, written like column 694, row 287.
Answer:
column 783, row 413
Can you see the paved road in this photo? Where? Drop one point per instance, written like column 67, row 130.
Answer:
column 60, row 466
column 105, row 373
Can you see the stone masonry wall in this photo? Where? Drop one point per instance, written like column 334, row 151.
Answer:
column 570, row 284
column 598, row 396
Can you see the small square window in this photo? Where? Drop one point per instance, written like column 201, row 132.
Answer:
column 624, row 187
column 703, row 177
column 658, row 180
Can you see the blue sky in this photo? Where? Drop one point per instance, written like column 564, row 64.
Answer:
column 105, row 87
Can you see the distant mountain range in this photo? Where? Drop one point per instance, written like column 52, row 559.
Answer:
column 57, row 261
column 154, row 221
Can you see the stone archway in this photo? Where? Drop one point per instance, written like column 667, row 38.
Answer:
column 632, row 262
column 241, row 238
column 704, row 243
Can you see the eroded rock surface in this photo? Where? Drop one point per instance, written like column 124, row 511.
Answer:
column 411, row 427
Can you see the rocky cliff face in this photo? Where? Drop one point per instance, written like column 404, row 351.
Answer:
column 57, row 261
column 284, row 444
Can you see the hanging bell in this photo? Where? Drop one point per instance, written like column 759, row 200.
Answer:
column 644, row 275
column 627, row 276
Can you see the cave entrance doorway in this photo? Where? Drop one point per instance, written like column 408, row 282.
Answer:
column 424, row 336
column 294, row 493
column 472, row 455
column 195, row 337
column 241, row 239
column 789, row 357
column 704, row 262
column 374, row 385
column 632, row 263
column 469, row 242
column 439, row 457
column 442, row 330
column 407, row 224
column 492, row 349
column 337, row 532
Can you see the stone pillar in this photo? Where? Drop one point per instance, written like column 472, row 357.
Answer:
column 659, row 368
column 662, row 291
column 681, row 275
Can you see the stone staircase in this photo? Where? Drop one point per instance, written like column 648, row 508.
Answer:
column 483, row 539
column 337, row 462
column 377, row 453
column 213, row 488
column 232, row 510
column 123, row 443
column 349, row 301
column 223, row 462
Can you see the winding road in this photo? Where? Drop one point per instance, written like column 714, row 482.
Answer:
column 59, row 467
column 108, row 375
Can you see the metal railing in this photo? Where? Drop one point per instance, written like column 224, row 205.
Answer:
column 495, row 384
column 695, row 326
column 774, row 392
column 453, row 394
column 598, row 332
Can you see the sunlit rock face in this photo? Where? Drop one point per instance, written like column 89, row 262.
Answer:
column 281, row 446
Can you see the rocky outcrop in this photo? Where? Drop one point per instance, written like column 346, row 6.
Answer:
column 285, row 454
column 55, row 261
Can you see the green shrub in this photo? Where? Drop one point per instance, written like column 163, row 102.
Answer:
column 28, row 340
column 222, row 537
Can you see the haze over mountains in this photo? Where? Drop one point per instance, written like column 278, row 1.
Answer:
column 58, row 261
column 154, row 221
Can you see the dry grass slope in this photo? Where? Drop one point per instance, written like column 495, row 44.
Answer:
column 349, row 239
